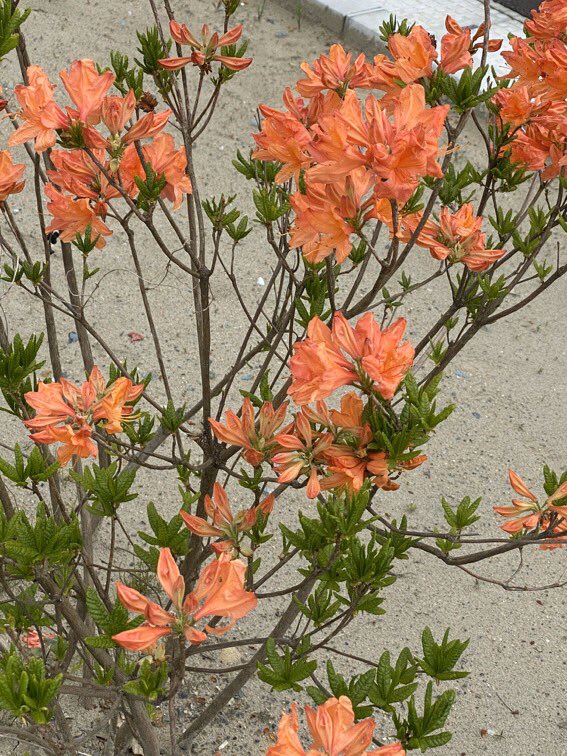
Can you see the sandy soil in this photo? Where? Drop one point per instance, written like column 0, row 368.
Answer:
column 509, row 387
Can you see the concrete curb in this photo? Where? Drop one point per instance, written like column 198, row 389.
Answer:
column 356, row 22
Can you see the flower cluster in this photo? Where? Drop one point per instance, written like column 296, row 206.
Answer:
column 95, row 167
column 333, row 448
column 67, row 415
column 529, row 515
column 354, row 161
column 333, row 732
column 534, row 107
column 219, row 592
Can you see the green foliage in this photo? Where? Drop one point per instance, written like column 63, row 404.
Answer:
column 172, row 417
column 126, row 78
column 391, row 26
column 149, row 188
column 551, row 482
column 10, row 21
column 25, row 690
column 270, row 204
column 256, row 170
column 150, row 682
column 458, row 519
column 314, row 298
column 338, row 518
column 287, row 670
column 17, row 364
column 225, row 218
column 467, row 91
column 393, row 684
column 24, row 611
column 321, row 606
column 142, row 431
column 456, row 181
column 34, row 272
column 35, row 468
column 439, row 659
column 151, row 50
column 357, row 689
column 107, row 487
column 110, row 622
column 419, row 730
column 172, row 534
column 46, row 542
column 85, row 243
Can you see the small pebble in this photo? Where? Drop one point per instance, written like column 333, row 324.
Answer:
column 72, row 338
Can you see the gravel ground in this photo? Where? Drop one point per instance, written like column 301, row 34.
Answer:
column 508, row 385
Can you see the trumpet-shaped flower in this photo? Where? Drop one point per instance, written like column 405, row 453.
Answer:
column 378, row 360
column 66, row 414
column 301, row 452
column 528, row 514
column 219, row 593
column 205, row 49
column 457, row 237
column 74, row 216
column 10, row 176
column 335, row 71
column 223, row 523
column 41, row 115
column 257, row 442
column 87, row 89
column 333, row 732
column 165, row 160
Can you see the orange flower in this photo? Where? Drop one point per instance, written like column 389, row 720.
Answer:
column 32, row 640
column 326, row 215
column 220, row 587
column 548, row 21
column 10, row 176
column 148, row 126
column 74, row 216
column 116, row 111
column 413, row 54
column 87, row 89
column 333, row 732
column 77, row 173
column 285, row 139
column 66, row 414
column 335, row 72
column 528, row 514
column 111, row 407
column 257, row 442
column 224, row 524
column 41, row 115
column 350, row 463
column 455, row 47
column 398, row 148
column 205, row 49
column 319, row 366
column 302, row 453
column 457, row 237
column 165, row 160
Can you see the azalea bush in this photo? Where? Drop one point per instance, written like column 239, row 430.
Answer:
column 364, row 194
